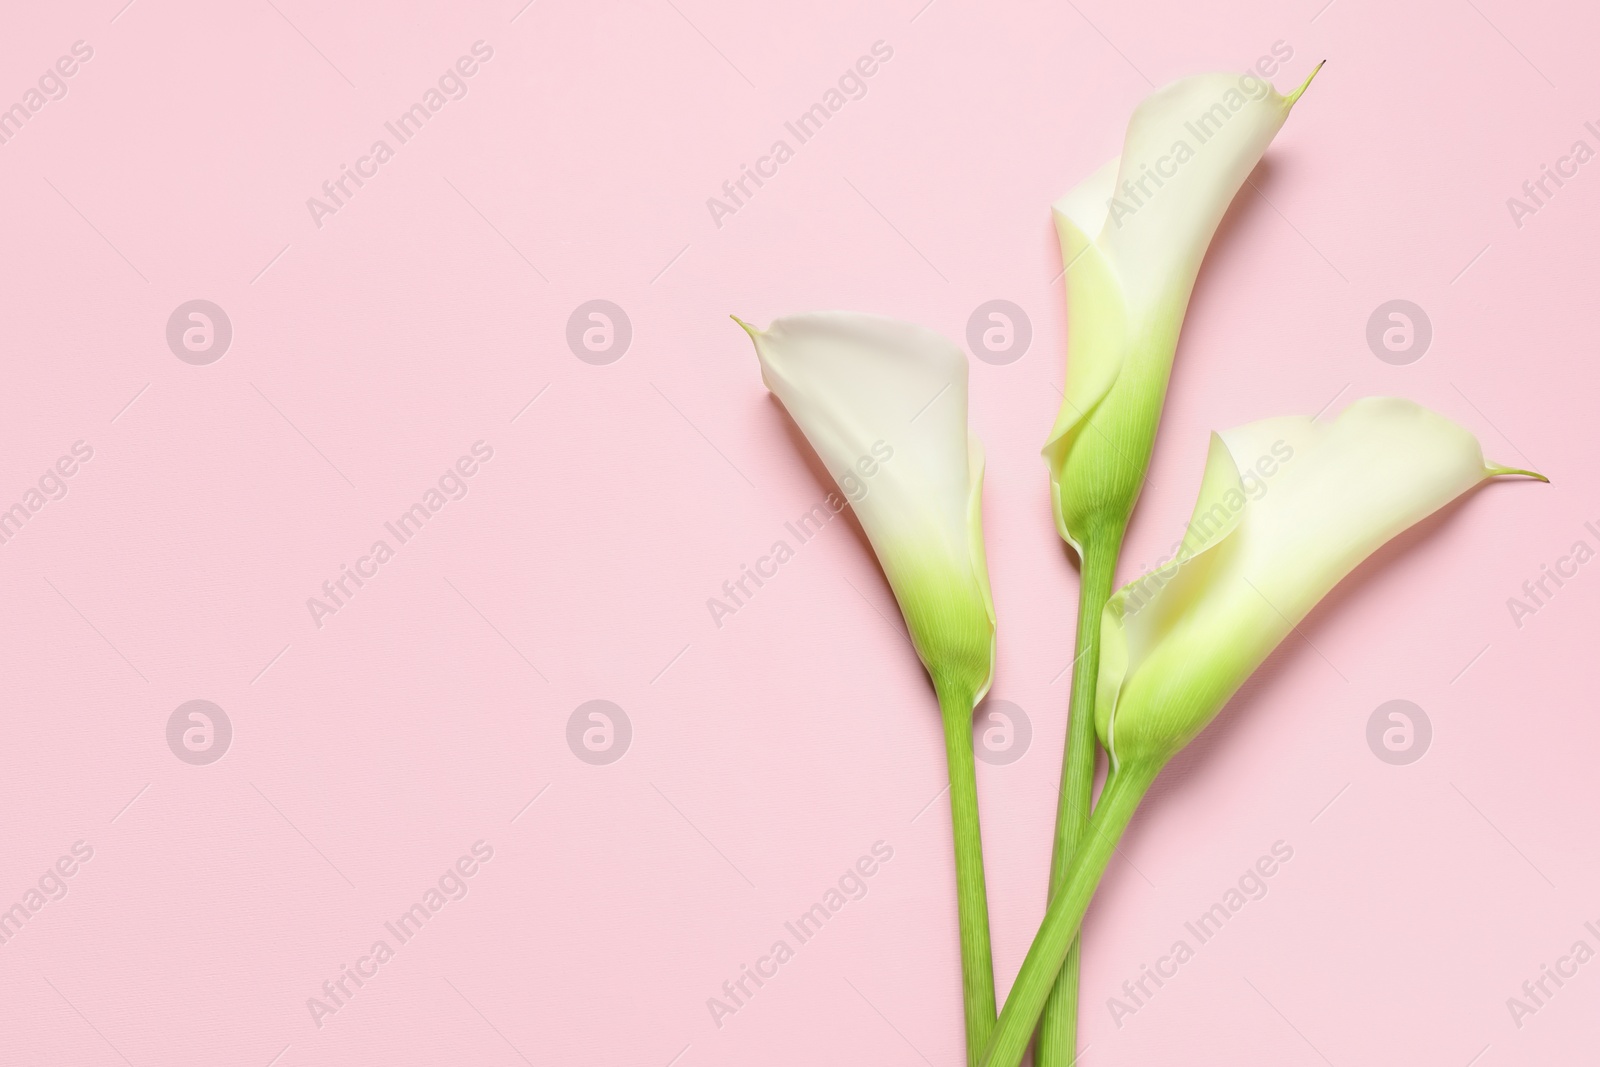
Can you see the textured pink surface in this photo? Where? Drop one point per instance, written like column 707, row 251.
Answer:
column 369, row 755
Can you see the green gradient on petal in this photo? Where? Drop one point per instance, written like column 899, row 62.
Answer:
column 1261, row 552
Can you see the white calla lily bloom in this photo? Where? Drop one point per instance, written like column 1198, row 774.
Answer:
column 1133, row 236
column 1287, row 508
column 884, row 404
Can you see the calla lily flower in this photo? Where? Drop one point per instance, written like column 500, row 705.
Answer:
column 1133, row 235
column 873, row 394
column 1287, row 508
column 884, row 404
column 1261, row 551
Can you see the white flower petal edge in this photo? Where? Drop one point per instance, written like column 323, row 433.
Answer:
column 1133, row 236
column 884, row 405
column 1287, row 508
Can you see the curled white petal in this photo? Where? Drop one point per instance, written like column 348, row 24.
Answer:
column 884, row 404
column 1133, row 236
column 1287, row 508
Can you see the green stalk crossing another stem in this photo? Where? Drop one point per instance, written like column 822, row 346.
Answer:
column 1058, row 1028
column 1062, row 919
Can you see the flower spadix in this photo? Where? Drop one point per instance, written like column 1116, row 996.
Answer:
column 884, row 405
column 1133, row 235
column 1287, row 508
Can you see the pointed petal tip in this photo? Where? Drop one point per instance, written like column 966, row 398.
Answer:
column 1495, row 471
column 1292, row 97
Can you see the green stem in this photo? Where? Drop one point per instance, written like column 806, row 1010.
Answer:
column 1119, row 800
column 972, row 898
column 1058, row 1028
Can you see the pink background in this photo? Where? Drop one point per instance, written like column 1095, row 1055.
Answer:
column 767, row 754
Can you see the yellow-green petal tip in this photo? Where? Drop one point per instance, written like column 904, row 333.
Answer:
column 1495, row 472
column 1292, row 97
